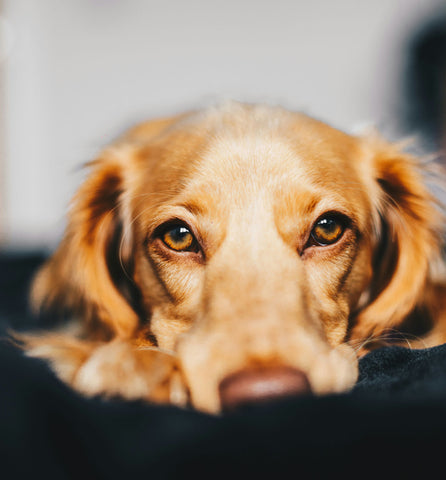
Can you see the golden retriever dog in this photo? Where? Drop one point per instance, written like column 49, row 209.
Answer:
column 241, row 254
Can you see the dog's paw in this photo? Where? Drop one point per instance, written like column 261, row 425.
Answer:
column 113, row 369
column 120, row 369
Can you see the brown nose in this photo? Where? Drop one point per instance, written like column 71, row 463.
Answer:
column 261, row 385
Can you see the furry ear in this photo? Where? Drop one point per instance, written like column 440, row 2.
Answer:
column 408, row 226
column 90, row 273
column 84, row 275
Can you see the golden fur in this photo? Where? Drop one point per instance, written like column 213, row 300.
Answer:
column 249, row 181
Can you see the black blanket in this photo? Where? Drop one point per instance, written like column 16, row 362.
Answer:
column 392, row 424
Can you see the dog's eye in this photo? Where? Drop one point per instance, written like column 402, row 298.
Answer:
column 327, row 230
column 179, row 238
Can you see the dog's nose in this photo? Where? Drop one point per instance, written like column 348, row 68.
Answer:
column 261, row 385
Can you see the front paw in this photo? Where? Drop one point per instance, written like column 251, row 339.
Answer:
column 119, row 369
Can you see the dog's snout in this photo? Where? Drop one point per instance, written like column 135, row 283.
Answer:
column 261, row 385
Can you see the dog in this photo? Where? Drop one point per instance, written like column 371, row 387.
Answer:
column 241, row 254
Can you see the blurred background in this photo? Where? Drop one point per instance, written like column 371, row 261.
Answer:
column 75, row 74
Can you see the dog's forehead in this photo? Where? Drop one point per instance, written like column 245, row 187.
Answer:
column 228, row 160
column 286, row 156
column 264, row 144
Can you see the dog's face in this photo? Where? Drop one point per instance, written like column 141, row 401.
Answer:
column 247, row 239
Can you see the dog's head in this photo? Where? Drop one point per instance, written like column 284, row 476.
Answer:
column 246, row 239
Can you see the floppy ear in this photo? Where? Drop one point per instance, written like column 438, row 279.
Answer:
column 408, row 239
column 86, row 274
column 90, row 273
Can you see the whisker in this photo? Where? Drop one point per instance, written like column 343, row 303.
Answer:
column 388, row 335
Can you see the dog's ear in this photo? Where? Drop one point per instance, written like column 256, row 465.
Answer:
column 85, row 274
column 407, row 238
column 90, row 274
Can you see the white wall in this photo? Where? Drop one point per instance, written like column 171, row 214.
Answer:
column 79, row 71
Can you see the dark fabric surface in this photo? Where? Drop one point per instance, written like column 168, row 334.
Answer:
column 392, row 424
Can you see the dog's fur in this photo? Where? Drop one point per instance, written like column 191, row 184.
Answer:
column 250, row 182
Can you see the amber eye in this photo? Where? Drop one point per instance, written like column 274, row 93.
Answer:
column 327, row 230
column 180, row 239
